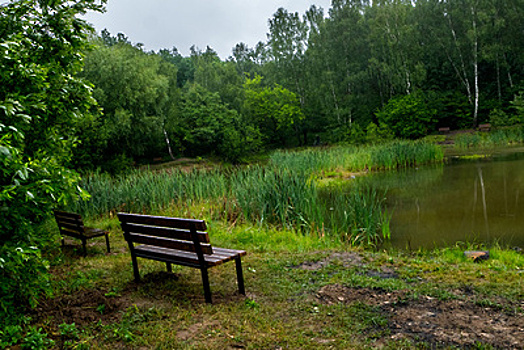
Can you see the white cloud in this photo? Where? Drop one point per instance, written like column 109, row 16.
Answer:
column 221, row 24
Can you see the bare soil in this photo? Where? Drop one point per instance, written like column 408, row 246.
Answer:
column 440, row 323
column 460, row 321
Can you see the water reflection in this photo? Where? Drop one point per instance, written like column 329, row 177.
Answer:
column 474, row 201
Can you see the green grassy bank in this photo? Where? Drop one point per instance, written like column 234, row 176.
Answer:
column 307, row 288
column 303, row 292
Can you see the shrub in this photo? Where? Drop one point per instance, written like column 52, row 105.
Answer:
column 23, row 279
column 408, row 116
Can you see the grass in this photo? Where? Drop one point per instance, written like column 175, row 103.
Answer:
column 274, row 213
column 282, row 308
column 497, row 138
column 285, row 193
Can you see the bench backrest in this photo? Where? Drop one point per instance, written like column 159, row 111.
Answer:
column 69, row 223
column 161, row 231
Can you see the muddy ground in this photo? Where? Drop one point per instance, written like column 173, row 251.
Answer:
column 461, row 322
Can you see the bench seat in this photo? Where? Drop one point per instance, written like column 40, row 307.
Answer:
column 182, row 257
column 177, row 241
column 72, row 225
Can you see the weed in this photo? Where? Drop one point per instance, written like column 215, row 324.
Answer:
column 35, row 339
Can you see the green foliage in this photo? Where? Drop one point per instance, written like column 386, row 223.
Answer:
column 10, row 335
column 136, row 91
column 453, row 109
column 518, row 104
column 408, row 116
column 275, row 110
column 35, row 339
column 499, row 118
column 378, row 134
column 497, row 138
column 357, row 135
column 42, row 101
column 23, row 278
column 209, row 127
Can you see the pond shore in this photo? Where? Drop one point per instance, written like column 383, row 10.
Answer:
column 307, row 293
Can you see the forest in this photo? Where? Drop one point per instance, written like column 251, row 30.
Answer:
column 358, row 72
column 81, row 112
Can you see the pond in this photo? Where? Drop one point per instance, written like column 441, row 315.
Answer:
column 473, row 201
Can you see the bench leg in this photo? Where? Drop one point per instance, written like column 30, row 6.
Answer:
column 84, row 244
column 240, row 276
column 168, row 267
column 135, row 268
column 107, row 243
column 207, row 288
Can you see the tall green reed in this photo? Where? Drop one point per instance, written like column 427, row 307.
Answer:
column 397, row 154
column 282, row 193
column 496, row 138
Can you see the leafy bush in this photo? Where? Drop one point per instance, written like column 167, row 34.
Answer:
column 408, row 116
column 35, row 339
column 499, row 118
column 378, row 133
column 41, row 103
column 23, row 279
column 518, row 104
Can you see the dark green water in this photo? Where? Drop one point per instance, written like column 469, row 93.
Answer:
column 475, row 201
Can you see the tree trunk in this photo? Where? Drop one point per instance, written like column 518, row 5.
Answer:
column 168, row 144
column 475, row 67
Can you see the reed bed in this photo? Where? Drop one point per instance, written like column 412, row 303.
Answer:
column 283, row 193
column 497, row 138
column 394, row 155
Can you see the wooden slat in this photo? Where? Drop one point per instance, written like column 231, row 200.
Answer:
column 228, row 252
column 94, row 232
column 187, row 224
column 70, row 227
column 72, row 234
column 173, row 255
column 67, row 216
column 70, row 221
column 168, row 232
column 167, row 243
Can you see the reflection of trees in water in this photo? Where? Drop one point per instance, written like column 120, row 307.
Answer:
column 484, row 204
column 491, row 209
column 434, row 205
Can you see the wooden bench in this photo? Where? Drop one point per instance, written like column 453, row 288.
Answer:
column 176, row 241
column 72, row 225
column 443, row 130
column 484, row 127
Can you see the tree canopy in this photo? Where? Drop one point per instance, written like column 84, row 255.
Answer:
column 407, row 66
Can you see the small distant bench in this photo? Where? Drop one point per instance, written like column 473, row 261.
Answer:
column 443, row 130
column 72, row 225
column 484, row 127
column 176, row 241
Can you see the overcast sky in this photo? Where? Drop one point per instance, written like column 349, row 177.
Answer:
column 221, row 24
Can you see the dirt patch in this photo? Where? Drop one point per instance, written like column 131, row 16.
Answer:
column 336, row 293
column 440, row 323
column 348, row 259
column 196, row 329
column 83, row 308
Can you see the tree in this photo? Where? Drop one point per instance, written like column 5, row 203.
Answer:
column 42, row 99
column 134, row 89
column 209, row 127
column 275, row 110
column 409, row 116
